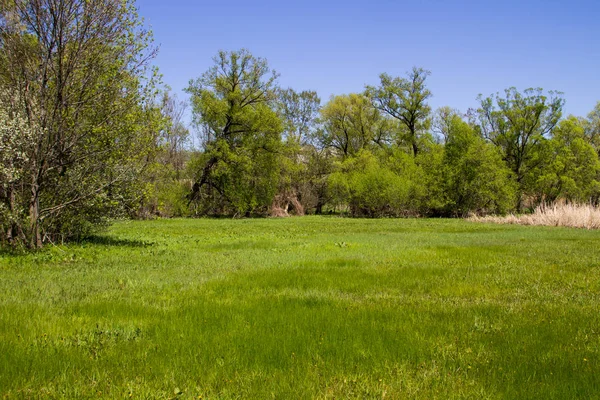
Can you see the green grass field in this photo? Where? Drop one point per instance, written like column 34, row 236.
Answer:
column 311, row 307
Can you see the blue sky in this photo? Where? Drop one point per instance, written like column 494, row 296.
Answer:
column 337, row 47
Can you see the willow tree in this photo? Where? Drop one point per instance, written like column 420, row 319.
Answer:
column 474, row 177
column 518, row 124
column 298, row 112
column 233, row 104
column 76, row 72
column 592, row 128
column 405, row 100
column 350, row 124
column 571, row 170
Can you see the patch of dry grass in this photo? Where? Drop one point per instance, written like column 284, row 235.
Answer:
column 570, row 215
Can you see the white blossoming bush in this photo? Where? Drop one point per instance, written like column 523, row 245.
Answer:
column 15, row 135
column 15, row 140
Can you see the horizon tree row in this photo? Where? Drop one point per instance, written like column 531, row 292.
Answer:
column 273, row 151
column 88, row 133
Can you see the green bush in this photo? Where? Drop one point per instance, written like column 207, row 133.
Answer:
column 371, row 188
column 476, row 179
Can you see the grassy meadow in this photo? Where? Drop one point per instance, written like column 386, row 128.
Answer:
column 310, row 307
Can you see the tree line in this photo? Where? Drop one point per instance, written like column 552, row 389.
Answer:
column 381, row 152
column 89, row 133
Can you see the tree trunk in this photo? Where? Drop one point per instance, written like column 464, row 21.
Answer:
column 415, row 149
column 34, row 217
column 10, row 232
column 319, row 208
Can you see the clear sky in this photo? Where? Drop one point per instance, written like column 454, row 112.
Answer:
column 337, row 47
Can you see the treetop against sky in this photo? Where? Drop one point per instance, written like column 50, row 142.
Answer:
column 337, row 47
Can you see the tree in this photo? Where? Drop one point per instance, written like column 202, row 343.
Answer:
column 233, row 103
column 475, row 179
column 350, row 124
column 443, row 121
column 319, row 165
column 77, row 70
column 518, row 124
column 175, row 135
column 592, row 128
column 371, row 187
column 15, row 141
column 572, row 168
column 299, row 112
column 167, row 179
column 405, row 99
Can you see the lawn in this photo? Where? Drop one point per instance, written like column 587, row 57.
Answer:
column 310, row 307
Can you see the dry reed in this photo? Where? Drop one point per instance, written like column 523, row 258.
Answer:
column 558, row 214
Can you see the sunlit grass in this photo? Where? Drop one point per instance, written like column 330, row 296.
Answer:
column 305, row 308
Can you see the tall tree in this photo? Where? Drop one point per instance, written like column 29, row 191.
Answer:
column 444, row 119
column 405, row 99
column 571, row 170
column 475, row 179
column 77, row 70
column 175, row 135
column 299, row 112
column 592, row 128
column 517, row 124
column 350, row 123
column 234, row 104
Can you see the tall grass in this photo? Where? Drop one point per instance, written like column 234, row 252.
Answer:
column 558, row 214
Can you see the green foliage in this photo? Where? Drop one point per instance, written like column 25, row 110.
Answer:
column 350, row 124
column 319, row 164
column 518, row 124
column 405, row 100
column 166, row 192
column 168, row 178
column 592, row 128
column 371, row 188
column 299, row 186
column 232, row 103
column 79, row 72
column 476, row 180
column 298, row 111
column 442, row 122
column 430, row 180
column 572, row 168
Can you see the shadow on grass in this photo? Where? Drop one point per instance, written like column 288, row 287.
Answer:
column 6, row 251
column 109, row 241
